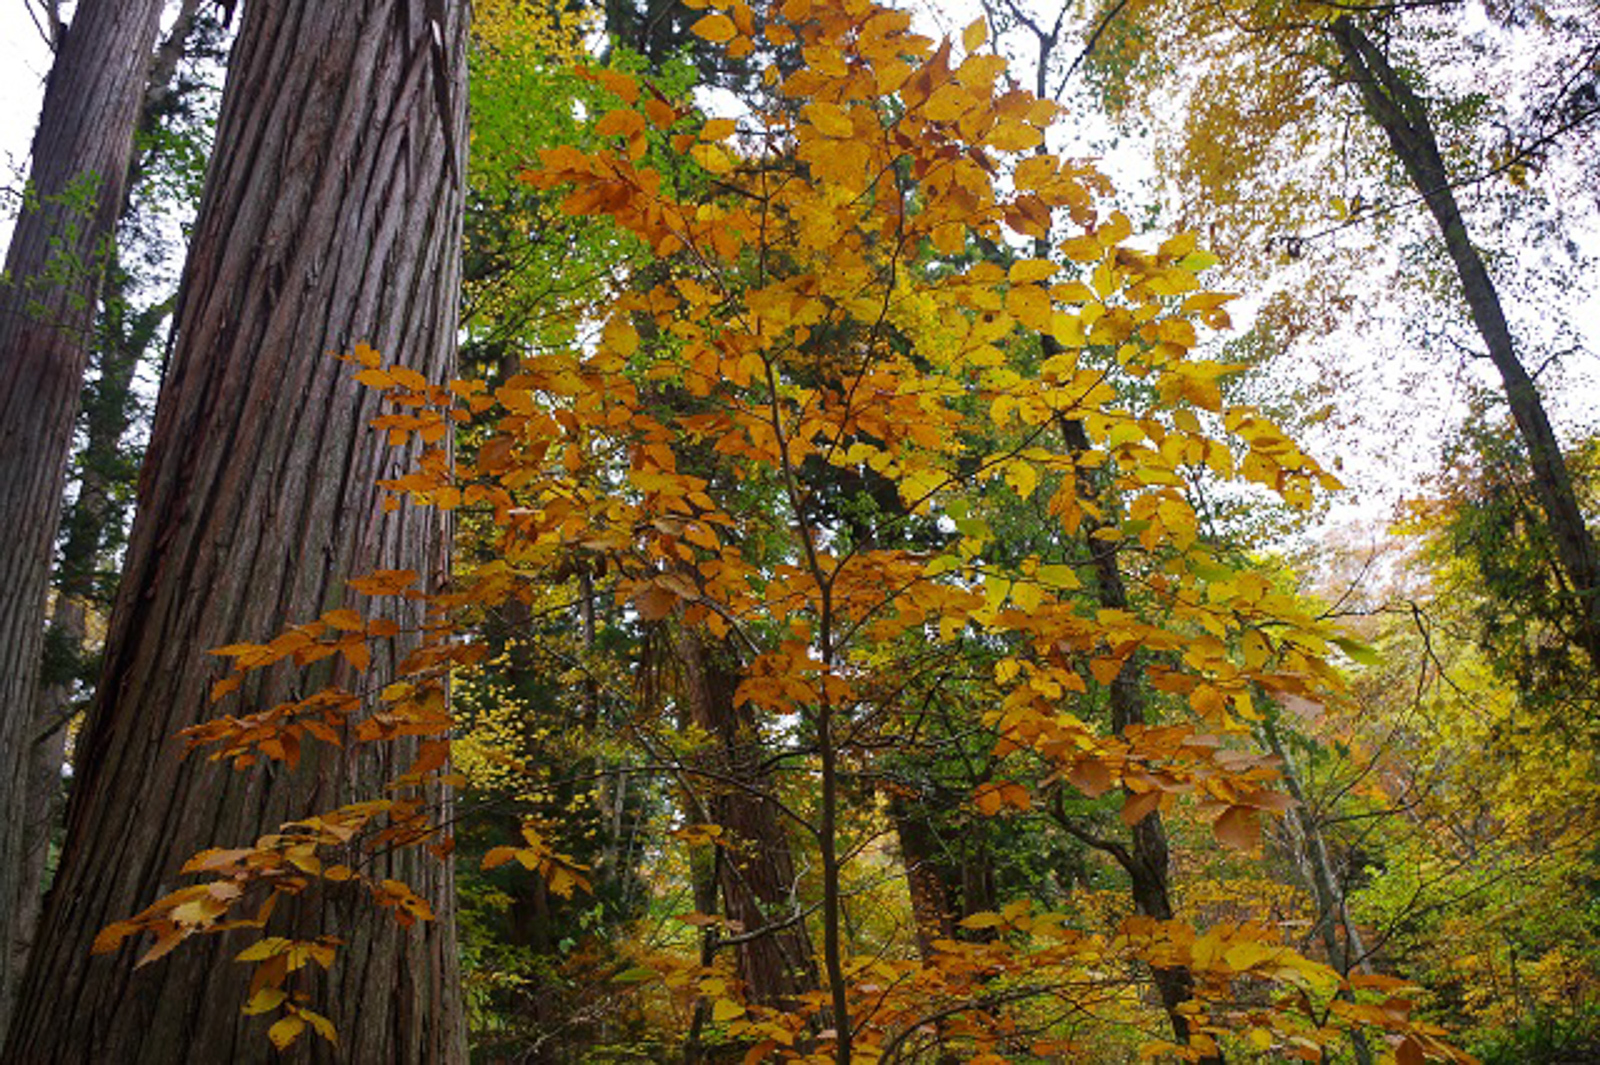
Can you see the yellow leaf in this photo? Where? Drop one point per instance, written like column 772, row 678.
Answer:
column 1027, row 271
column 1010, row 135
column 718, row 129
column 974, row 35
column 986, row 919
column 265, row 1000
column 321, row 1025
column 1056, row 575
column 264, row 949
column 830, row 120
column 286, row 1031
column 718, row 29
column 725, row 1010
column 711, row 158
column 1022, row 478
column 1081, row 249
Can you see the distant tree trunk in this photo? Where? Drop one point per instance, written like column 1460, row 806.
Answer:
column 47, row 297
column 91, row 532
column 1391, row 105
column 331, row 215
column 1332, row 912
column 927, row 873
column 756, row 869
column 1146, row 861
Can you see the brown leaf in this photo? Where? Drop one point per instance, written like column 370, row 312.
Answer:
column 1238, row 827
column 1090, row 776
column 1140, row 806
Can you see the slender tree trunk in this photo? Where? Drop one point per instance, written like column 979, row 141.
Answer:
column 47, row 296
column 1332, row 913
column 1146, row 861
column 331, row 215
column 1403, row 117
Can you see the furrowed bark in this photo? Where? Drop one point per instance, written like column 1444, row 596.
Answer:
column 332, row 215
column 53, row 268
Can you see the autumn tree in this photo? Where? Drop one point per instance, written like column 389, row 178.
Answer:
column 331, row 219
column 53, row 268
column 786, row 320
column 1241, row 159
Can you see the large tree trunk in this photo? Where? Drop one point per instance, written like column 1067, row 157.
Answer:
column 91, row 532
column 47, row 296
column 331, row 215
column 756, row 870
column 1395, row 109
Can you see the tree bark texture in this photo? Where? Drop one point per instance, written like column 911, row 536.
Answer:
column 1391, row 104
column 53, row 267
column 331, row 215
column 927, row 874
column 756, row 869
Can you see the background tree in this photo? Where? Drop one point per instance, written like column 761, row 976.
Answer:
column 135, row 302
column 53, row 268
column 1347, row 121
column 351, row 237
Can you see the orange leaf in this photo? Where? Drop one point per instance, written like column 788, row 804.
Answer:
column 1138, row 807
column 1090, row 776
column 1239, row 827
column 344, row 618
column 718, row 29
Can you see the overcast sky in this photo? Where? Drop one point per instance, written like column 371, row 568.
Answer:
column 24, row 61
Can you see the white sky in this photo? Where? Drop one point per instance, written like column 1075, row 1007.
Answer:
column 24, row 62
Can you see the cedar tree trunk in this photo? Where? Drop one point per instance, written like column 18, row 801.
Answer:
column 331, row 215
column 47, row 297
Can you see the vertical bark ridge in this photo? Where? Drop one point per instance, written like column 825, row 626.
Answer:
column 331, row 216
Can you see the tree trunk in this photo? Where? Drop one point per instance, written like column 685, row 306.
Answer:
column 927, row 873
column 1403, row 117
column 756, row 870
column 91, row 528
column 1146, row 861
column 331, row 215
column 1332, row 912
column 47, row 296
